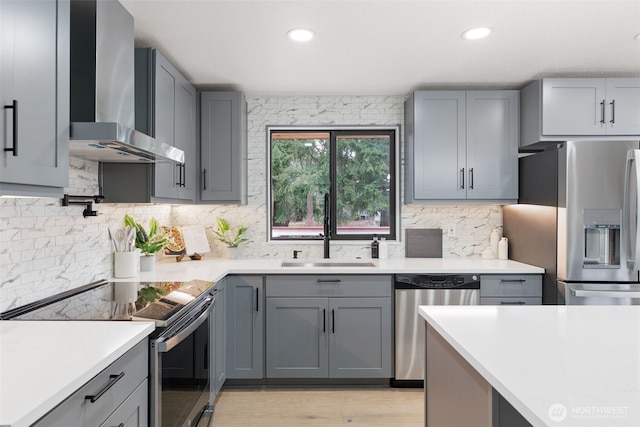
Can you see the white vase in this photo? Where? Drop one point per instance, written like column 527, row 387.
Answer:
column 147, row 262
column 232, row 253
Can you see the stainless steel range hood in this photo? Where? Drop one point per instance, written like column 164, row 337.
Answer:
column 102, row 88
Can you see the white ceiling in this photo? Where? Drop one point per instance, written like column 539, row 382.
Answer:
column 387, row 47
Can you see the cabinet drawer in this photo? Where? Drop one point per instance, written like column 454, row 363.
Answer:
column 329, row 286
column 511, row 301
column 511, row 286
column 134, row 411
column 78, row 411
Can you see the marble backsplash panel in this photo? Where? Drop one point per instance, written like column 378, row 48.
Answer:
column 46, row 248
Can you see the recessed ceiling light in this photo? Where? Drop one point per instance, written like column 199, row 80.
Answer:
column 300, row 35
column 476, row 33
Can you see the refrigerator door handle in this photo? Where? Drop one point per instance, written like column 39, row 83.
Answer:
column 605, row 294
column 630, row 209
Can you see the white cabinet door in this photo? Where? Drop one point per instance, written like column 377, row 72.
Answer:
column 623, row 106
column 34, row 86
column 573, row 106
column 492, row 144
column 439, row 146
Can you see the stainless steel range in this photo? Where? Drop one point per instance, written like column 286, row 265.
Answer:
column 180, row 354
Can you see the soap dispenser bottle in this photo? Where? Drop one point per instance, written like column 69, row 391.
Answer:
column 375, row 247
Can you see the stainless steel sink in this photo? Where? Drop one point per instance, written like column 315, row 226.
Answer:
column 327, row 264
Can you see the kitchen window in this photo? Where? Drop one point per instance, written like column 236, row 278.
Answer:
column 355, row 167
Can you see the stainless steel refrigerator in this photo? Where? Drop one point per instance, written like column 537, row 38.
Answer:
column 577, row 217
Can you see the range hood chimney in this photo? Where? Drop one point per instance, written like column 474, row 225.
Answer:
column 102, row 105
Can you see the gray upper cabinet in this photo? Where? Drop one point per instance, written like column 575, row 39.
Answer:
column 461, row 145
column 223, row 148
column 166, row 106
column 245, row 327
column 34, row 91
column 557, row 108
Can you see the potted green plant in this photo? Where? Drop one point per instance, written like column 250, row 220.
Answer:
column 231, row 238
column 149, row 243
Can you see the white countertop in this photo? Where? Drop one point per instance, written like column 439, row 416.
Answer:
column 216, row 268
column 583, row 360
column 42, row 363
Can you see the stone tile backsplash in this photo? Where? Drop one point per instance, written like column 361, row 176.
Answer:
column 46, row 248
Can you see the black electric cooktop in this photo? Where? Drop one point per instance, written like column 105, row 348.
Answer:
column 161, row 302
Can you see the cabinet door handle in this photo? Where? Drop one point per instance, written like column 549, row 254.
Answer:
column 512, row 280
column 324, row 320
column 113, row 379
column 512, row 303
column 329, row 281
column 613, row 111
column 602, row 112
column 257, row 299
column 470, row 178
column 14, row 107
column 183, row 175
column 179, row 183
column 333, row 321
column 204, row 179
column 462, row 178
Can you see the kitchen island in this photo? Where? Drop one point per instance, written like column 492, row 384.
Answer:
column 533, row 365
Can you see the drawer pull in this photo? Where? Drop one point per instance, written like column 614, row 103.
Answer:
column 113, row 379
column 513, row 280
column 329, row 280
column 512, row 303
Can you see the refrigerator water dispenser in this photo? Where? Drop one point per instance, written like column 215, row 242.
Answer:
column 601, row 238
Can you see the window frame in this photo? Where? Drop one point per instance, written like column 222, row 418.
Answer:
column 334, row 131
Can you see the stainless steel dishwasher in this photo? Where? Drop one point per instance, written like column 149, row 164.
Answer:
column 411, row 291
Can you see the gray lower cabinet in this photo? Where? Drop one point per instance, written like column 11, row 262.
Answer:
column 245, row 327
column 34, row 92
column 118, row 396
column 556, row 108
column 220, row 337
column 329, row 327
column 525, row 289
column 223, row 148
column 461, row 145
column 166, row 105
column 134, row 411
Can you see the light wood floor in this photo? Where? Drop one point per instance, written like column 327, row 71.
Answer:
column 327, row 407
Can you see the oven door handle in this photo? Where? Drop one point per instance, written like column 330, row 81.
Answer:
column 172, row 341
